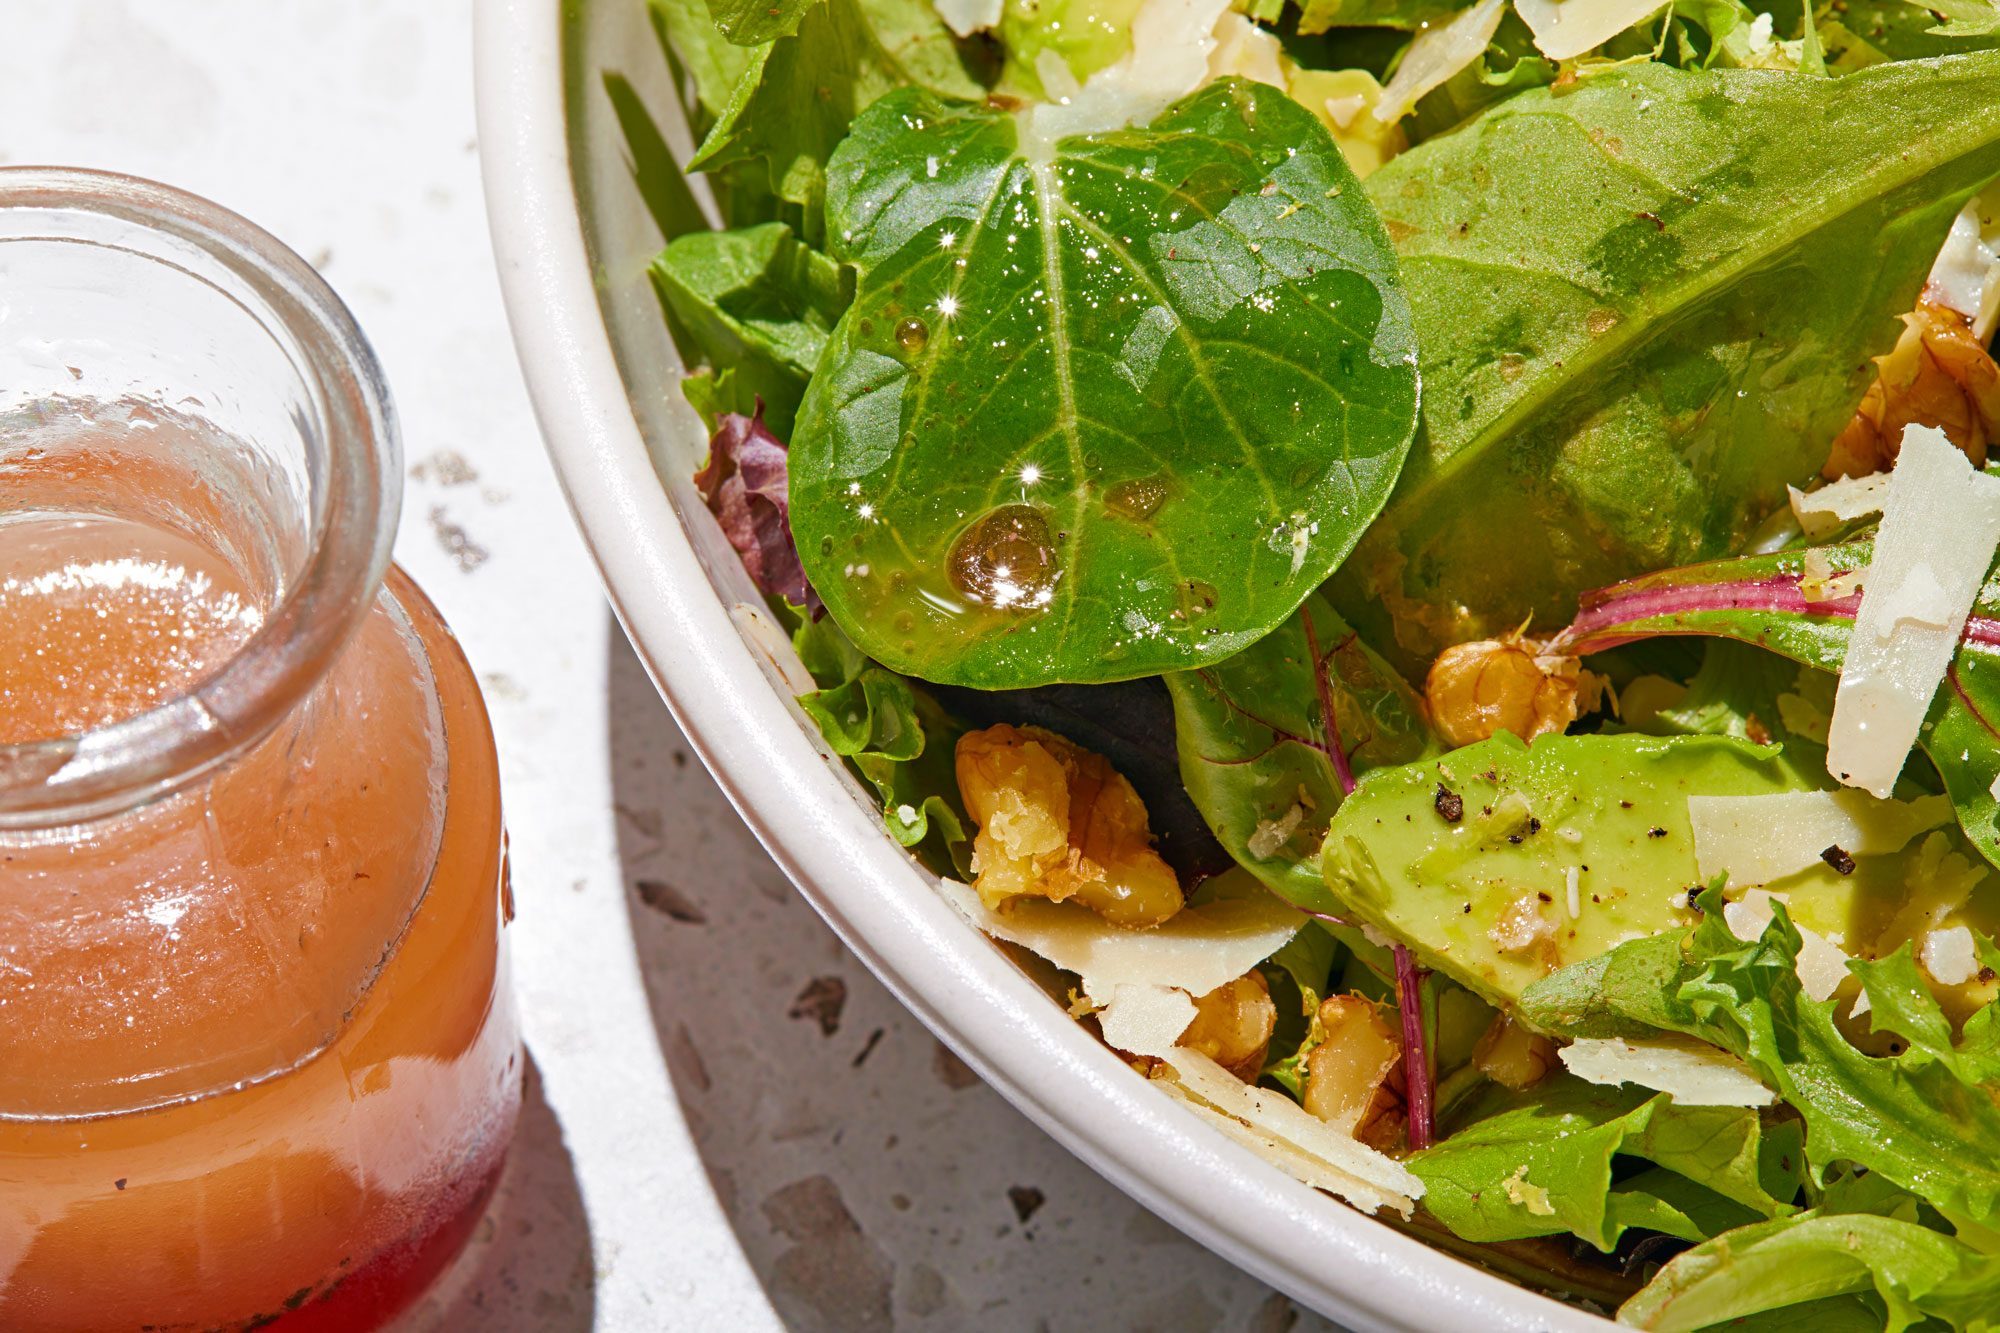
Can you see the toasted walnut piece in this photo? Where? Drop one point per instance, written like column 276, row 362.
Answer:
column 1938, row 374
column 1058, row 822
column 1476, row 690
column 1513, row 1055
column 1354, row 1076
column 1233, row 1025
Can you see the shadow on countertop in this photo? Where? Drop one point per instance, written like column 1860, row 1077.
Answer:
column 873, row 1181
column 528, row 1268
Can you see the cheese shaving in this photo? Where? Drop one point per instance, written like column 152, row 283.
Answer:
column 1940, row 524
column 965, row 17
column 1286, row 1135
column 1144, row 1020
column 1692, row 1072
column 1172, row 41
column 1757, row 839
column 1966, row 275
column 1566, row 29
column 1822, row 511
column 1438, row 53
column 1949, row 956
column 1821, row 965
column 1820, row 582
column 1141, row 981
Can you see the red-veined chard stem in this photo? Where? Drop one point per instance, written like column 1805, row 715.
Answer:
column 1335, row 749
column 1607, row 616
column 1416, row 1051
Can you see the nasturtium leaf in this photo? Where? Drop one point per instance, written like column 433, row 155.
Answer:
column 1761, row 599
column 1102, row 408
column 1645, row 303
column 1258, row 757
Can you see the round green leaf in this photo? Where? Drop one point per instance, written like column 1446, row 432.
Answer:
column 1103, row 408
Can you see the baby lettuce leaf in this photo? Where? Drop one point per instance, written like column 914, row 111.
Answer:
column 1103, row 408
column 896, row 737
column 1913, row 1118
column 753, row 22
column 795, row 99
column 1539, row 1163
column 1645, row 302
column 1757, row 599
column 1915, row 1271
column 755, row 303
column 1257, row 753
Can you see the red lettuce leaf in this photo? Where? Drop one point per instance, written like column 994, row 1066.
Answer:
column 746, row 486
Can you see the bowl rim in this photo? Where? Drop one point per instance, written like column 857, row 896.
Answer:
column 799, row 806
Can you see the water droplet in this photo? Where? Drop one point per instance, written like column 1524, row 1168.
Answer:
column 1197, row 598
column 912, row 334
column 1007, row 558
column 1138, row 499
column 826, row 545
column 905, row 622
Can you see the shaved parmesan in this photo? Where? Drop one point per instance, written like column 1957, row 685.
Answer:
column 1821, row 966
column 1245, row 50
column 1437, row 54
column 1692, row 1072
column 1566, row 29
column 1966, row 276
column 1940, row 524
column 1144, row 1020
column 1821, row 511
column 1756, row 839
column 1948, row 955
column 1141, row 981
column 965, row 17
column 1172, row 41
column 1290, row 1138
column 1522, row 1194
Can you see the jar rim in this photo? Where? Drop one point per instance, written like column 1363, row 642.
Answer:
column 356, row 499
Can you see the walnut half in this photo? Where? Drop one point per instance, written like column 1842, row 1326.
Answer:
column 1056, row 821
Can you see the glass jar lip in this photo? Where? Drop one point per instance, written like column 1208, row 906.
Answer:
column 355, row 504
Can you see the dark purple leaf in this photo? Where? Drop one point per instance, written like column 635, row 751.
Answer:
column 748, row 490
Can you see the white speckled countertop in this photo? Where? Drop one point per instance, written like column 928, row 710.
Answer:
column 730, row 1125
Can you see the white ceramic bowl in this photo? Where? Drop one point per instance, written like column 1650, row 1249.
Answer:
column 573, row 239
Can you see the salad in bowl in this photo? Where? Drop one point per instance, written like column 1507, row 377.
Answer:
column 1431, row 562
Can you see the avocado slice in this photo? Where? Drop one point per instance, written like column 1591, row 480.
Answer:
column 1485, row 898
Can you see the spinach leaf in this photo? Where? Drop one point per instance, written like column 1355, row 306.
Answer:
column 1911, row 1118
column 698, row 52
column 1259, row 757
column 1915, row 1271
column 1102, row 408
column 794, row 101
column 1645, row 302
column 1757, row 599
column 1539, row 1163
column 756, row 302
column 896, row 737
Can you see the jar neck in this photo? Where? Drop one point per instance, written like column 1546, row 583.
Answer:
column 175, row 309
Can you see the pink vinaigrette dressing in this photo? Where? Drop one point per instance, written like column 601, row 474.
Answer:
column 258, row 1060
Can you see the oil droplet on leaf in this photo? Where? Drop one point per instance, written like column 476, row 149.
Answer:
column 1007, row 558
column 912, row 334
column 1139, row 498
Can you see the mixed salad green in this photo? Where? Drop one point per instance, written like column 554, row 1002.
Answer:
column 1402, row 546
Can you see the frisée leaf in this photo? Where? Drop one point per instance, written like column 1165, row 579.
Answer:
column 1101, row 408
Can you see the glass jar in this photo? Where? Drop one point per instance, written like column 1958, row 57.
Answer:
column 258, row 1059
